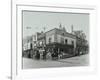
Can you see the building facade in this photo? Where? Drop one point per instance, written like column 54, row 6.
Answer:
column 61, row 40
column 56, row 40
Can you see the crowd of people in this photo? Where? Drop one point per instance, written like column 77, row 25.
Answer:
column 44, row 54
column 48, row 54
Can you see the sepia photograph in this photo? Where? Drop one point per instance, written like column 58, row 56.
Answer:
column 54, row 39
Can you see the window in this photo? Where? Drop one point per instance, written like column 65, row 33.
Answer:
column 62, row 40
column 66, row 41
column 49, row 40
column 72, row 42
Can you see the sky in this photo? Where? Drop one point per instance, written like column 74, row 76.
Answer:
column 35, row 21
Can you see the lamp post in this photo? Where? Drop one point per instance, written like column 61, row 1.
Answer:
column 44, row 37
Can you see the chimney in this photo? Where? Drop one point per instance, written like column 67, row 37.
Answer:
column 72, row 29
column 60, row 26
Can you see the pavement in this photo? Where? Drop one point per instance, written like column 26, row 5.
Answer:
column 82, row 60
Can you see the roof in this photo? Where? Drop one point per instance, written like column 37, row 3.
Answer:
column 63, row 33
column 58, row 31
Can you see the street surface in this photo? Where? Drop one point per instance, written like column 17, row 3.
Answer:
column 82, row 60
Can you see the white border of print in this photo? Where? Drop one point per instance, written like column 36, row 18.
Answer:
column 18, row 73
